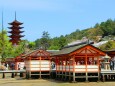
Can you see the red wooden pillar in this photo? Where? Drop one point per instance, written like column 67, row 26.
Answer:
column 62, row 73
column 73, row 69
column 58, row 67
column 56, row 61
column 69, row 69
column 49, row 66
column 40, row 68
column 99, row 69
column 29, row 72
column 86, row 64
column 65, row 67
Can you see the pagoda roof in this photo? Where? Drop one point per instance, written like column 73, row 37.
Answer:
column 15, row 22
column 15, row 39
column 15, row 31
column 16, row 36
column 15, row 27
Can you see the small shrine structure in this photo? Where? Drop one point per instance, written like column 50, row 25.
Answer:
column 106, row 62
column 38, row 63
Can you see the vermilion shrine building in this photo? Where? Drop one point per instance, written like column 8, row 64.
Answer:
column 78, row 61
column 38, row 63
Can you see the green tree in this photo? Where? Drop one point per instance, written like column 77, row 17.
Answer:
column 45, row 40
column 7, row 49
column 62, row 41
column 108, row 27
column 31, row 45
column 5, row 45
column 54, row 43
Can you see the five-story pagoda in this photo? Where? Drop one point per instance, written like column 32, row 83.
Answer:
column 15, row 32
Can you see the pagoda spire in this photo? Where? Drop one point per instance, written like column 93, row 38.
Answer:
column 15, row 32
column 15, row 15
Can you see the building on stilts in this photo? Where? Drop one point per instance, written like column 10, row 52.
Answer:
column 38, row 64
column 76, row 62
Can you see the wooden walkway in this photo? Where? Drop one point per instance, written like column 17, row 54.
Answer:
column 13, row 72
column 107, row 74
column 104, row 74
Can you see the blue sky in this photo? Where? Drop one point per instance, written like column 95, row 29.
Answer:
column 58, row 17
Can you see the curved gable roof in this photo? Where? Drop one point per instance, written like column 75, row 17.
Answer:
column 68, row 50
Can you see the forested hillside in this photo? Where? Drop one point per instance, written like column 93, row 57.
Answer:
column 103, row 29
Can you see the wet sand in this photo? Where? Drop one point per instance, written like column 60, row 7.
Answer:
column 17, row 81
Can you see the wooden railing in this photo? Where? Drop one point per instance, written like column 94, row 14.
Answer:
column 79, row 68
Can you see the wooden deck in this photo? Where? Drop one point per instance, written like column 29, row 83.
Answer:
column 107, row 74
column 108, row 71
column 12, row 71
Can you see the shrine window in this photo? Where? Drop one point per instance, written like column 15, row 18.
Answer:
column 80, row 61
column 71, row 62
column 95, row 61
column 60, row 63
column 92, row 60
column 67, row 63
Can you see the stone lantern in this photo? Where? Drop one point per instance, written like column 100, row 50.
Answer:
column 106, row 62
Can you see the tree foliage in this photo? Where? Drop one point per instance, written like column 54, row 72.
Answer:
column 108, row 46
column 44, row 42
column 7, row 49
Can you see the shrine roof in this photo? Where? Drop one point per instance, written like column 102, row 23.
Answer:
column 67, row 50
column 52, row 51
column 27, row 53
column 112, row 50
column 37, row 53
column 33, row 51
column 72, row 48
